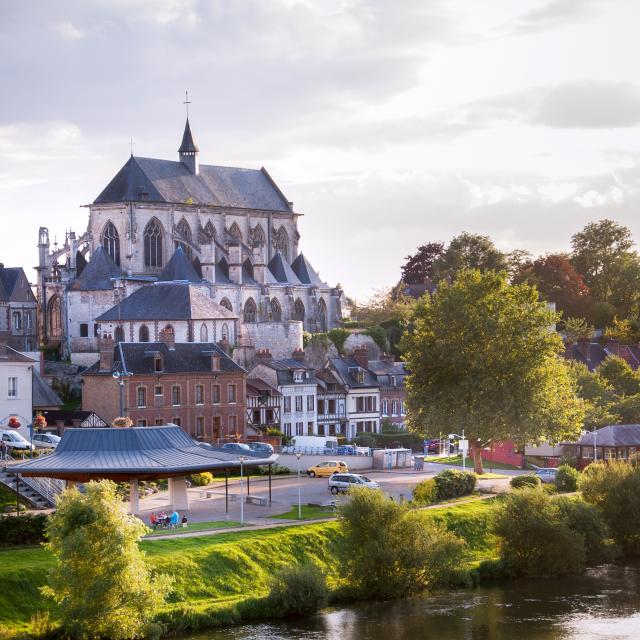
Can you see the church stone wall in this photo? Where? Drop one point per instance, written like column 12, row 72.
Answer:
column 281, row 338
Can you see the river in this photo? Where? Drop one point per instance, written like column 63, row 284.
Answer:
column 602, row 604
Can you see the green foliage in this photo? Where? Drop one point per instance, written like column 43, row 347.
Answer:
column 451, row 483
column 619, row 374
column 521, row 482
column 628, row 410
column 567, row 479
column 339, row 337
column 379, row 336
column 481, row 356
column 365, row 440
column 201, row 479
column 315, row 340
column 388, row 550
column 614, row 488
column 602, row 313
column 100, row 583
column 470, row 251
column 539, row 537
column 298, row 590
column 621, row 331
column 575, row 328
column 24, row 529
column 425, row 492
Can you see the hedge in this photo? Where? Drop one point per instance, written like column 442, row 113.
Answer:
column 25, row 529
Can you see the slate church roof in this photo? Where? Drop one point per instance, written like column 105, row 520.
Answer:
column 179, row 268
column 281, row 271
column 98, row 274
column 305, row 272
column 167, row 301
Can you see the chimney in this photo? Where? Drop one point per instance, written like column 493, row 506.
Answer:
column 361, row 356
column 263, row 355
column 613, row 346
column 168, row 336
column 584, row 347
column 298, row 354
column 224, row 344
column 387, row 357
column 106, row 345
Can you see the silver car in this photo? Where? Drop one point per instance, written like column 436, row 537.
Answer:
column 547, row 476
column 342, row 482
column 46, row 440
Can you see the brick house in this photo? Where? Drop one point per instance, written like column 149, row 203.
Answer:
column 390, row 376
column 194, row 385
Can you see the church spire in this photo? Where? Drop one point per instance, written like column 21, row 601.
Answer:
column 188, row 149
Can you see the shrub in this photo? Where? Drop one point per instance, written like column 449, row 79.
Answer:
column 567, row 479
column 453, row 484
column 520, row 482
column 298, row 590
column 542, row 536
column 339, row 337
column 614, row 488
column 425, row 492
column 387, row 550
column 24, row 529
column 586, row 520
column 201, row 479
column 365, row 440
column 379, row 336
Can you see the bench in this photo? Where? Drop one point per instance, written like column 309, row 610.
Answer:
column 217, row 494
column 258, row 500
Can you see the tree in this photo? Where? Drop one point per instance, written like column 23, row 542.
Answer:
column 470, row 251
column 557, row 281
column 482, row 359
column 419, row 267
column 619, row 374
column 621, row 331
column 598, row 253
column 575, row 328
column 101, row 583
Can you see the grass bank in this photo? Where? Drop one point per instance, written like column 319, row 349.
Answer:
column 220, row 579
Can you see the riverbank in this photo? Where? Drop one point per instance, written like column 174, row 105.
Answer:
column 220, row 579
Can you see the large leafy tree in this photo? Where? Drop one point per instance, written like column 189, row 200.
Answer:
column 599, row 253
column 482, row 359
column 470, row 251
column 419, row 267
column 100, row 582
column 557, row 281
column 620, row 376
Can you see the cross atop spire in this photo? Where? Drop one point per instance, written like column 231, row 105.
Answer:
column 187, row 102
column 131, row 143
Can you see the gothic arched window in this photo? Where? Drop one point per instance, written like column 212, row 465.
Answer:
column 282, row 243
column 184, row 232
column 235, row 233
column 226, row 304
column 276, row 310
column 153, row 244
column 210, row 230
column 258, row 235
column 204, row 333
column 250, row 311
column 119, row 334
column 111, row 241
column 54, row 313
column 322, row 316
column 225, row 331
column 298, row 310
column 143, row 333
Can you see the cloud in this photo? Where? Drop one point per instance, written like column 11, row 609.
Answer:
column 68, row 30
column 552, row 15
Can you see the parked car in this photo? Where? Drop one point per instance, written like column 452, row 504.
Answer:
column 15, row 441
column 261, row 447
column 236, row 447
column 327, row 468
column 547, row 476
column 346, row 450
column 342, row 482
column 46, row 440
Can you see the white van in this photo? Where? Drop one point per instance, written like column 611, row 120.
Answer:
column 14, row 440
column 312, row 445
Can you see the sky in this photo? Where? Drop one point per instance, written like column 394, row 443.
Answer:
column 388, row 123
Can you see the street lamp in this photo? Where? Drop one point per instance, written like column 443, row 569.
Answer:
column 242, row 460
column 595, row 448
column 120, row 376
column 299, row 455
column 464, row 447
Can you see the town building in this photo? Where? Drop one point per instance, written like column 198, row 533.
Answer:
column 296, row 382
column 331, row 405
column 613, row 442
column 193, row 385
column 236, row 228
column 60, row 419
column 263, row 406
column 17, row 309
column 592, row 354
column 390, row 377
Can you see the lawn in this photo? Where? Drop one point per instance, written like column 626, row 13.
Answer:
column 195, row 526
column 457, row 461
column 309, row 512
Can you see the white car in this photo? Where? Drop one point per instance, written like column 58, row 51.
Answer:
column 15, row 441
column 342, row 482
column 46, row 440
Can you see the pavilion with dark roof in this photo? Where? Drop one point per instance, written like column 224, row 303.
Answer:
column 137, row 453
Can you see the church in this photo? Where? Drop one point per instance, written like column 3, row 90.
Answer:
column 223, row 234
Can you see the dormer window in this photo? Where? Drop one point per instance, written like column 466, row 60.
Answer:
column 360, row 376
column 215, row 362
column 298, row 376
column 158, row 365
column 393, row 381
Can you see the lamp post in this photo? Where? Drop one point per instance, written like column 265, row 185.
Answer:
column 595, row 448
column 242, row 459
column 120, row 376
column 299, row 455
column 464, row 447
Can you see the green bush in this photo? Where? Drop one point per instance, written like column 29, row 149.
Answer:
column 586, row 520
column 387, row 550
column 540, row 535
column 339, row 337
column 365, row 440
column 24, row 529
column 520, row 482
column 201, row 479
column 379, row 336
column 614, row 488
column 453, row 484
column 298, row 590
column 567, row 479
column 425, row 492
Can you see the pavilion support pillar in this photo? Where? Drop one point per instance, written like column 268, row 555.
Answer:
column 178, row 497
column 134, row 496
